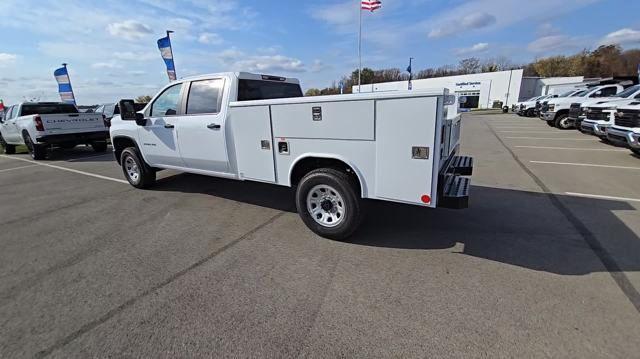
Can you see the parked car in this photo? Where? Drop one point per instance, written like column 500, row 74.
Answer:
column 108, row 110
column 519, row 107
column 335, row 150
column 626, row 127
column 562, row 112
column 527, row 108
column 598, row 117
column 544, row 104
column 40, row 125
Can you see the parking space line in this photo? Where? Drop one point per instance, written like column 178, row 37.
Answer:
column 585, row 195
column 67, row 169
column 584, row 165
column 552, row 138
column 16, row 168
column 573, row 148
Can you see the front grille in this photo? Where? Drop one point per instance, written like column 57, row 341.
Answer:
column 628, row 118
column 545, row 106
column 597, row 114
column 574, row 110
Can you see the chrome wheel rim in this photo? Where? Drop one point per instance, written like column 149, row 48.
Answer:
column 131, row 167
column 326, row 206
column 564, row 123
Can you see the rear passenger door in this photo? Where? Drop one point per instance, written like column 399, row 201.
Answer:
column 201, row 129
column 9, row 127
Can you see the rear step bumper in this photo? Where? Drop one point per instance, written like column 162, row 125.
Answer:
column 453, row 191
column 79, row 137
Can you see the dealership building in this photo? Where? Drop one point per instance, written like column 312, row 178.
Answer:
column 482, row 90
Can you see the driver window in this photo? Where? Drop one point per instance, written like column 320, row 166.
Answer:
column 167, row 103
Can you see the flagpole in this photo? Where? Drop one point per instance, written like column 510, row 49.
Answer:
column 360, row 48
column 171, row 49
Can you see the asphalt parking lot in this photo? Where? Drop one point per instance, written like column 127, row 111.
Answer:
column 545, row 263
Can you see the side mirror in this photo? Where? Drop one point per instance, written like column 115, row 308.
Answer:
column 128, row 112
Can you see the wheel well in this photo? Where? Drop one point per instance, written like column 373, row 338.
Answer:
column 120, row 143
column 309, row 164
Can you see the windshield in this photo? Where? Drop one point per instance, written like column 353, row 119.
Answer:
column 249, row 90
column 47, row 109
column 580, row 94
column 628, row 92
column 567, row 94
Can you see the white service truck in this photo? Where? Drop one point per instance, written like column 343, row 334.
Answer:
column 40, row 125
column 626, row 128
column 336, row 150
column 598, row 117
column 562, row 112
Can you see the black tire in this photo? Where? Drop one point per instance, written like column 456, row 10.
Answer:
column 562, row 122
column 636, row 151
column 8, row 149
column 551, row 123
column 37, row 151
column 146, row 176
column 68, row 145
column 530, row 112
column 345, row 187
column 99, row 146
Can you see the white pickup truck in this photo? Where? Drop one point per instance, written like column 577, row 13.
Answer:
column 626, row 128
column 40, row 125
column 599, row 116
column 395, row 146
column 562, row 112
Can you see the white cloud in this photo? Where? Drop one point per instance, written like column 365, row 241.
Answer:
column 624, row 36
column 129, row 29
column 237, row 60
column 343, row 13
column 7, row 59
column 209, row 38
column 135, row 56
column 475, row 49
column 472, row 21
column 552, row 43
column 106, row 65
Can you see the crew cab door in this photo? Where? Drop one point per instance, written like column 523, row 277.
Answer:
column 10, row 131
column 201, row 130
column 158, row 137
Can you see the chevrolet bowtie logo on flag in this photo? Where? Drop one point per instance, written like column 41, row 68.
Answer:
column 164, row 45
column 371, row 5
column 64, row 85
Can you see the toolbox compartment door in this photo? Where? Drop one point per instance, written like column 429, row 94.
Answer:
column 402, row 125
column 253, row 142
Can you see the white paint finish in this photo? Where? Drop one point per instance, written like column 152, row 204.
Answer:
column 585, row 195
column 349, row 120
column 573, row 148
column 359, row 155
column 249, row 126
column 584, row 165
column 16, row 168
column 67, row 169
column 401, row 124
column 547, row 132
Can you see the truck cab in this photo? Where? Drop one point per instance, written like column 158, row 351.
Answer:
column 562, row 112
column 335, row 150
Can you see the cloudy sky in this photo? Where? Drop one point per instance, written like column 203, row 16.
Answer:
column 111, row 45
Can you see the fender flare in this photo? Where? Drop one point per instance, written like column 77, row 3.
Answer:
column 363, row 184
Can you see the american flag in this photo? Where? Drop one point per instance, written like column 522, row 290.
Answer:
column 371, row 5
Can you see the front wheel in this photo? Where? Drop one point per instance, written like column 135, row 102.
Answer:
column 636, row 151
column 137, row 172
column 562, row 122
column 551, row 123
column 328, row 204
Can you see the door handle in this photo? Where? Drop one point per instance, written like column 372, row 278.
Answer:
column 213, row 126
column 168, row 125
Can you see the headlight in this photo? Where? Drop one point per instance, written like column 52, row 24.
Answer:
column 552, row 107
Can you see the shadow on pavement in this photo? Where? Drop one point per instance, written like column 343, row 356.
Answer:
column 515, row 227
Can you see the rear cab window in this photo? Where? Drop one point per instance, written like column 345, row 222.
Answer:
column 250, row 90
column 205, row 97
column 47, row 109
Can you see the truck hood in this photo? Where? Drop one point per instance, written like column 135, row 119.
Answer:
column 613, row 102
column 632, row 106
column 567, row 100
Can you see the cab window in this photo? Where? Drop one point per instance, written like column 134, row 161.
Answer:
column 204, row 97
column 167, row 103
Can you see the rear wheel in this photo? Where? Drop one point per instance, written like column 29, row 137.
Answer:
column 37, row 151
column 328, row 204
column 8, row 149
column 137, row 172
column 562, row 122
column 636, row 151
column 99, row 146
